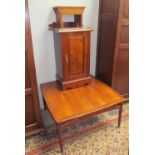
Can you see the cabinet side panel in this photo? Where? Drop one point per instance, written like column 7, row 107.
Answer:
column 58, row 54
column 106, row 52
column 108, row 16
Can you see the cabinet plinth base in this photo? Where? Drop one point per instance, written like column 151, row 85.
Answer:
column 75, row 83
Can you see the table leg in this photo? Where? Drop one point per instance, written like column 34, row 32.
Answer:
column 120, row 115
column 59, row 128
column 45, row 107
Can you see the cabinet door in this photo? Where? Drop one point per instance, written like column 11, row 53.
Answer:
column 107, row 26
column 29, row 101
column 33, row 120
column 121, row 66
column 76, row 48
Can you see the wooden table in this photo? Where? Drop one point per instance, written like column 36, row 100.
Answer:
column 68, row 107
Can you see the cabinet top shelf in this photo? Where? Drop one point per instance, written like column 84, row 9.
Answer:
column 61, row 11
column 76, row 29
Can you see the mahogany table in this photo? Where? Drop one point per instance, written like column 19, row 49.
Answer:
column 68, row 107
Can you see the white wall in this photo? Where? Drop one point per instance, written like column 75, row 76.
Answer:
column 42, row 14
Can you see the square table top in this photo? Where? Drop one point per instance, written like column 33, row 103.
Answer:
column 65, row 105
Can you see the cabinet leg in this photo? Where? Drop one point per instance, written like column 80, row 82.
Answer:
column 59, row 128
column 120, row 115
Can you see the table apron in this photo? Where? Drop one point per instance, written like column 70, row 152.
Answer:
column 80, row 118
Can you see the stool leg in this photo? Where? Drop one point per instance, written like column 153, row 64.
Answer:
column 59, row 128
column 120, row 115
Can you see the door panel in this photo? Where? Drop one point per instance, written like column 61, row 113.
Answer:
column 29, row 110
column 76, row 55
column 27, row 77
column 124, row 35
column 29, row 101
column 108, row 6
column 122, row 78
column 126, row 9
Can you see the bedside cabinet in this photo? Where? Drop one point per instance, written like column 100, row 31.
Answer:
column 72, row 48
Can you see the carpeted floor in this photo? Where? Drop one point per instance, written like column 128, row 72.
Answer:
column 95, row 136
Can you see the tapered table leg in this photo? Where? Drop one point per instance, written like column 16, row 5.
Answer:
column 45, row 107
column 59, row 128
column 120, row 115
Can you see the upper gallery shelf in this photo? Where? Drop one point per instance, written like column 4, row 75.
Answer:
column 75, row 26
